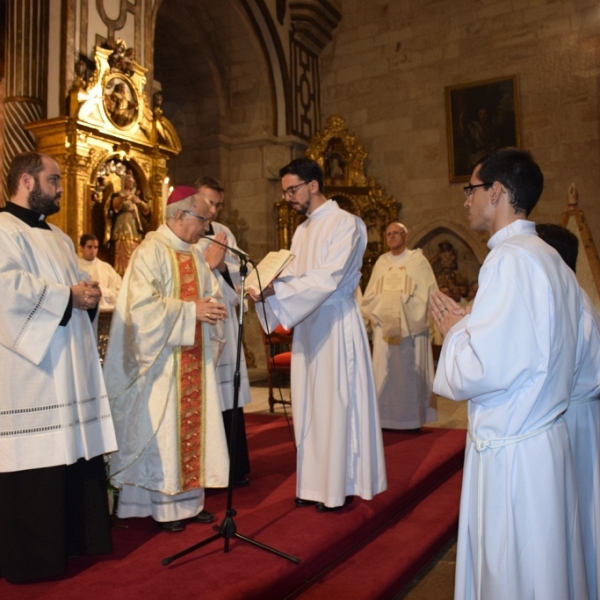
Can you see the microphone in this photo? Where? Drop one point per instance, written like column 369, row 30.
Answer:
column 239, row 253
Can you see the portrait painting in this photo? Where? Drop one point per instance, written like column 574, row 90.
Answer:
column 480, row 118
column 120, row 101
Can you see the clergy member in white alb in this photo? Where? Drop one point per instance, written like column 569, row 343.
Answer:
column 583, row 415
column 396, row 302
column 166, row 333
column 55, row 421
column 514, row 358
column 225, row 267
column 108, row 279
column 336, row 421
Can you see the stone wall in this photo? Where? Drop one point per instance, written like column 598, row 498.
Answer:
column 389, row 63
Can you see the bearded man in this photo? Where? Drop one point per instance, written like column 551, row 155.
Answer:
column 336, row 421
column 55, row 421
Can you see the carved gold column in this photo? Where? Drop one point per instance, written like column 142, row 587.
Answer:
column 25, row 82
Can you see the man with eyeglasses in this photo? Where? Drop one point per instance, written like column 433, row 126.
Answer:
column 166, row 334
column 514, row 358
column 225, row 267
column 336, row 421
column 396, row 302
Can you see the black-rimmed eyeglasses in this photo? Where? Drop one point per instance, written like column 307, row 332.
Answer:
column 291, row 191
column 189, row 212
column 469, row 189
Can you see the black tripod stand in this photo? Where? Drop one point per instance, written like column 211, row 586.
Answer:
column 227, row 530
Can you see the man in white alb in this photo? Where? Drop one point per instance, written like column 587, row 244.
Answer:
column 396, row 302
column 583, row 415
column 225, row 267
column 108, row 279
column 55, row 421
column 166, row 333
column 336, row 421
column 514, row 358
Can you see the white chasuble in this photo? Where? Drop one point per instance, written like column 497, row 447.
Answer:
column 396, row 302
column 148, row 375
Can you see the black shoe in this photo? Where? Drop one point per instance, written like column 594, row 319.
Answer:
column 171, row 526
column 203, row 517
column 322, row 508
column 245, row 482
column 300, row 502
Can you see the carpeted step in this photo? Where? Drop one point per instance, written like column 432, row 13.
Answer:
column 416, row 465
column 381, row 568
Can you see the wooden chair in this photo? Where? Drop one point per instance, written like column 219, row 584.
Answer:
column 279, row 360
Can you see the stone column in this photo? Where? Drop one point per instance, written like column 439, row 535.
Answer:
column 26, row 58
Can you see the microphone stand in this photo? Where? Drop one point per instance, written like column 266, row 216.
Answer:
column 227, row 530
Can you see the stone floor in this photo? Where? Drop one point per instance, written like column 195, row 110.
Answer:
column 436, row 582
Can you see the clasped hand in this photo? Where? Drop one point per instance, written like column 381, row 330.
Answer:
column 86, row 295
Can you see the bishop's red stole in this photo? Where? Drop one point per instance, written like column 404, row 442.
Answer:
column 190, row 385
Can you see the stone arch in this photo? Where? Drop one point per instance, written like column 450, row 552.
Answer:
column 276, row 61
column 442, row 240
column 216, row 83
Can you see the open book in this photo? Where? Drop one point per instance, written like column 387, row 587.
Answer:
column 268, row 268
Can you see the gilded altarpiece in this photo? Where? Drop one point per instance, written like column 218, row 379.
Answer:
column 111, row 140
column 341, row 156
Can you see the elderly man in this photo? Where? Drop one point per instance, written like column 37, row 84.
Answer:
column 225, row 267
column 336, row 421
column 55, row 421
column 396, row 302
column 108, row 279
column 514, row 357
column 160, row 373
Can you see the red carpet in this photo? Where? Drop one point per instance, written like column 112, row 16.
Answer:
column 412, row 520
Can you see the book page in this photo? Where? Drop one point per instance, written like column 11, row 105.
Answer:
column 268, row 268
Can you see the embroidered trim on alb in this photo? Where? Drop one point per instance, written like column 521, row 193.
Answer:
column 34, row 409
column 53, row 427
column 30, row 316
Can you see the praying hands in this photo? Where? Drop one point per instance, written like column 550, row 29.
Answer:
column 446, row 312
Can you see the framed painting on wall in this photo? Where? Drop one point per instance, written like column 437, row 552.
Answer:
column 480, row 118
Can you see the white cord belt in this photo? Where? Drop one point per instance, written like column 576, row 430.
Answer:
column 481, row 444
column 584, row 400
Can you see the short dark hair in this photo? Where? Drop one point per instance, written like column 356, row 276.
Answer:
column 517, row 171
column 210, row 182
column 86, row 237
column 306, row 169
column 27, row 162
column 562, row 240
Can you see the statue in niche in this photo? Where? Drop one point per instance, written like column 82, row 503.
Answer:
column 335, row 163
column 128, row 218
column 445, row 268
